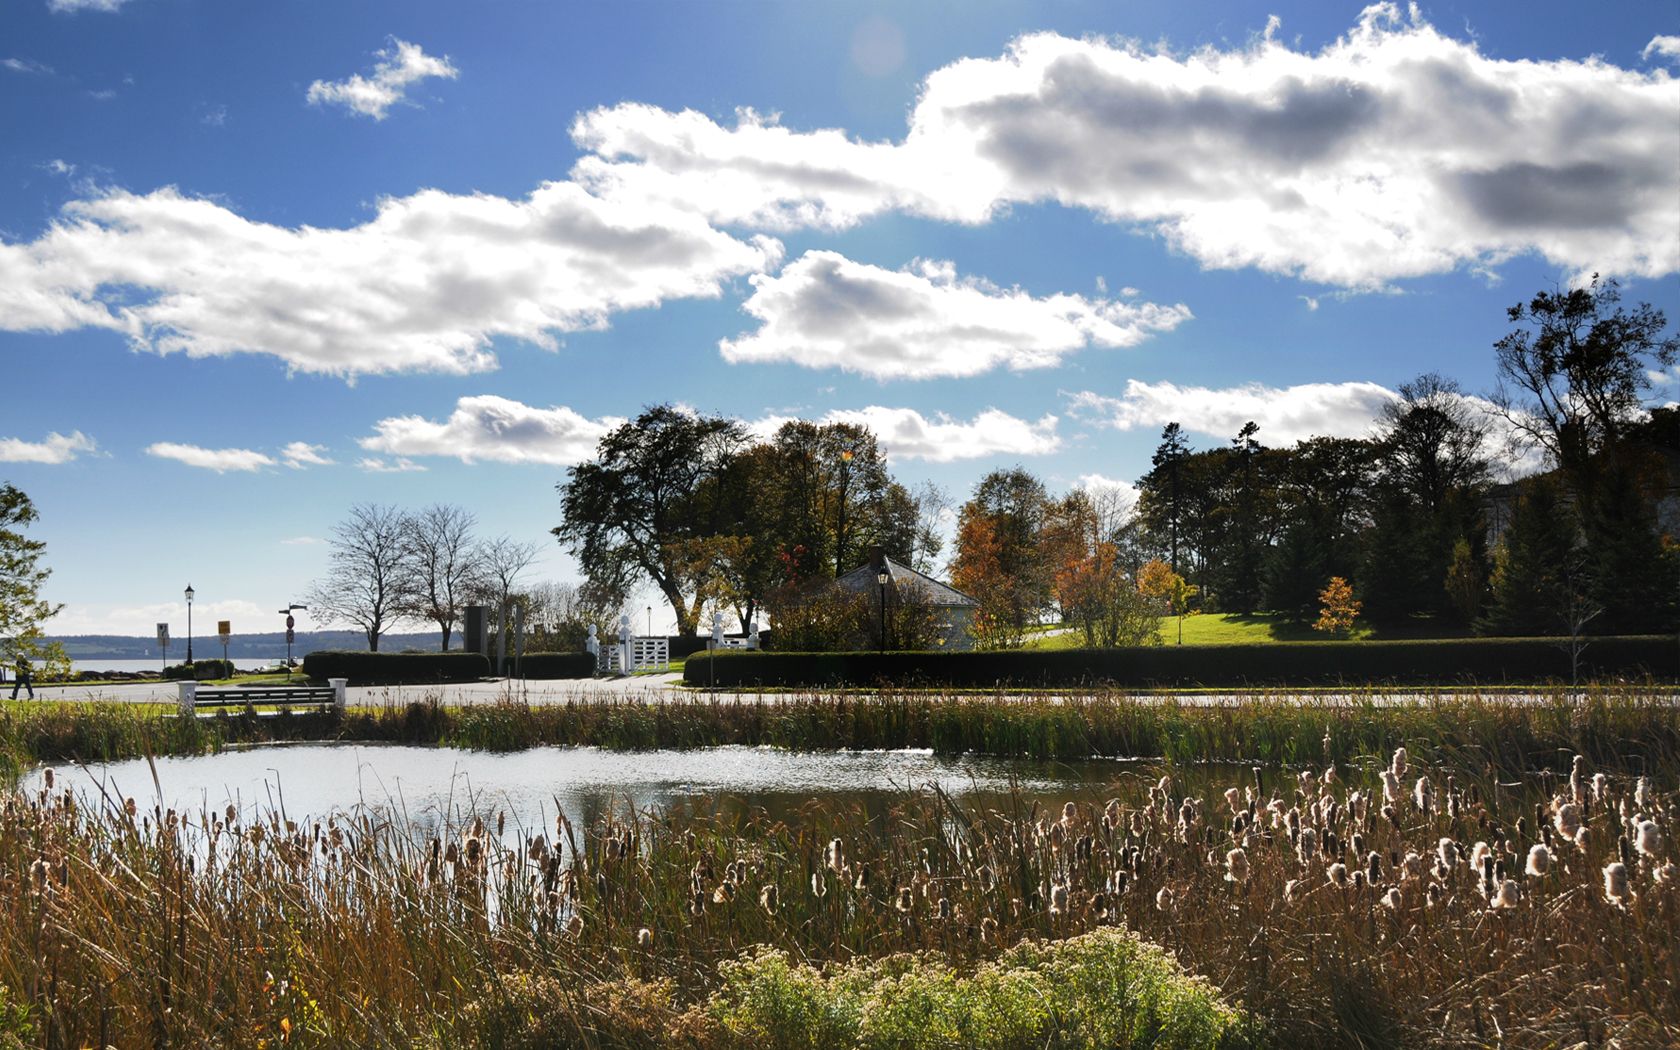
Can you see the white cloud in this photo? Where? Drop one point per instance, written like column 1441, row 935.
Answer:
column 220, row 460
column 300, row 541
column 400, row 66
column 375, row 465
column 70, row 7
column 1663, row 46
column 1336, row 165
column 300, row 454
column 1098, row 483
column 24, row 65
column 59, row 167
column 423, row 286
column 247, row 617
column 1286, row 415
column 495, row 429
column 55, row 448
column 825, row 310
column 905, row 433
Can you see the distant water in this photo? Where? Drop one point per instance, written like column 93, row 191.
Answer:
column 157, row 664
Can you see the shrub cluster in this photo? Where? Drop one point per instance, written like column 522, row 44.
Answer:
column 555, row 665
column 363, row 668
column 1459, row 661
column 199, row 670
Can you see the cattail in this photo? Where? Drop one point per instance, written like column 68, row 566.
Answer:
column 1568, row 820
column 1307, row 849
column 1111, row 815
column 1616, row 883
column 1164, row 899
column 1070, row 813
column 1058, row 899
column 1478, row 853
column 1357, row 803
column 1391, row 787
column 836, row 856
column 1289, row 889
column 130, row 808
column 1600, row 783
column 1665, row 873
column 942, row 909
column 768, row 898
column 1358, row 878
column 1647, row 838
column 1329, row 775
column 1398, row 765
column 1432, row 896
column 1642, row 794
column 1309, row 783
column 819, row 888
column 1236, row 866
column 988, row 929
column 1577, row 773
column 1507, row 896
column 724, row 893
column 644, row 937
column 1233, row 798
column 906, row 900
column 861, row 883
column 1391, row 899
column 47, row 778
column 1338, row 874
column 1423, row 795
column 1099, row 905
column 1539, row 860
column 1373, row 867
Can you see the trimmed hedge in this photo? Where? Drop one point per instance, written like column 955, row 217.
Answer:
column 555, row 665
column 199, row 670
column 364, row 668
column 1458, row 661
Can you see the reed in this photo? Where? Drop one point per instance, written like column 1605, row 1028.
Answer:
column 1378, row 903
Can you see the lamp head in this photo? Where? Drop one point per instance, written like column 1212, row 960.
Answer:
column 189, row 594
column 881, row 576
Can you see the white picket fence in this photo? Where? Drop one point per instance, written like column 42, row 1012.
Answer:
column 646, row 654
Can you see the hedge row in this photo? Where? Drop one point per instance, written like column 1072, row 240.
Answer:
column 364, row 668
column 555, row 665
column 199, row 670
column 1464, row 661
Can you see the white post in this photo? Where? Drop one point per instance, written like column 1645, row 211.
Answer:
column 593, row 644
column 752, row 634
column 624, row 645
column 717, row 631
column 338, row 688
column 189, row 698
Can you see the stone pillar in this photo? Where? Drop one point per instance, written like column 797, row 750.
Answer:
column 189, row 698
column 339, row 699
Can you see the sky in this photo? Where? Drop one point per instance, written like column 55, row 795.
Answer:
column 261, row 262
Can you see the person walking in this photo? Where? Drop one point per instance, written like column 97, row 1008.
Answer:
column 25, row 677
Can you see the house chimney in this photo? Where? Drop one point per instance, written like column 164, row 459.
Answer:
column 877, row 557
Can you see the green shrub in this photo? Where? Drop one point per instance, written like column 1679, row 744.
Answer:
column 1458, row 661
column 555, row 665
column 363, row 668
column 1107, row 988
column 199, row 670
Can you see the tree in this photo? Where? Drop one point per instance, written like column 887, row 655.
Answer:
column 1466, row 582
column 23, row 611
column 1000, row 551
column 1157, row 581
column 441, row 565
column 501, row 562
column 933, row 508
column 1339, row 608
column 657, row 481
column 979, row 572
column 364, row 581
column 1539, row 564
column 1165, row 473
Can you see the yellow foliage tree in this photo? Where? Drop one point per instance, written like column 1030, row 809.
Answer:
column 1157, row 580
column 1338, row 608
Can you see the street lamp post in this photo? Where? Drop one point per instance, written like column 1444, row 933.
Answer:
column 881, row 578
column 290, row 623
column 189, row 624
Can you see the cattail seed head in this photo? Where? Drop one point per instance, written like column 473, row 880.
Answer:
column 1373, row 866
column 1236, row 866
column 1600, row 785
column 1568, row 821
column 1647, row 838
column 768, row 898
column 1423, row 795
column 836, row 856
column 1508, row 894
column 1539, row 860
column 1391, row 787
column 1642, row 794
column 644, row 938
column 1337, row 874
column 1058, row 899
column 906, row 900
column 1413, row 865
column 1398, row 766
column 1164, row 899
column 1391, row 899
column 1616, row 889
column 1233, row 799
column 819, row 888
column 988, row 929
column 1447, row 852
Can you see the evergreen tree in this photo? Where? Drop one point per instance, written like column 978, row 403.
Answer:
column 1539, row 565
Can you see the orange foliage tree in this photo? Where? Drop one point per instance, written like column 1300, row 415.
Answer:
column 1338, row 608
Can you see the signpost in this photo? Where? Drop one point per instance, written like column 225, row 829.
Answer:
column 290, row 623
column 224, row 629
column 163, row 643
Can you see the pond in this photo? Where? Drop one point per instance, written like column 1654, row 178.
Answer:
column 429, row 786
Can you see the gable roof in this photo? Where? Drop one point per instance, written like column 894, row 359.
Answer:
column 939, row 594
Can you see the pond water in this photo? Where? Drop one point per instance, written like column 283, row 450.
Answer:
column 431, row 786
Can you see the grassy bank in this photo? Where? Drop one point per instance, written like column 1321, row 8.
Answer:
column 1314, row 911
column 1619, row 727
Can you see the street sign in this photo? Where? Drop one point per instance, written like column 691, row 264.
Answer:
column 290, row 622
column 290, row 637
column 224, row 628
column 163, row 635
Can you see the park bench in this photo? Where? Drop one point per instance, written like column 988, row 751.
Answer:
column 323, row 697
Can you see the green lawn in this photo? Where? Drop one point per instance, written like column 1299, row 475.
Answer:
column 1233, row 628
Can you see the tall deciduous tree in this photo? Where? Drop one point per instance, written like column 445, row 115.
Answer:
column 23, row 611
column 656, row 483
column 1000, row 558
column 364, row 581
column 442, row 565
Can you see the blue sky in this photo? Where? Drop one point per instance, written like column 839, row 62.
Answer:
column 260, row 262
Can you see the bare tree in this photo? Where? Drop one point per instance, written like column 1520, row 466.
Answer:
column 501, row 562
column 442, row 564
column 364, row 580
column 933, row 516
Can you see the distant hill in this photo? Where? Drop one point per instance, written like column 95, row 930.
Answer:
column 240, row 646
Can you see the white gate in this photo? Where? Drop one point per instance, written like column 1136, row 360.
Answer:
column 647, row 654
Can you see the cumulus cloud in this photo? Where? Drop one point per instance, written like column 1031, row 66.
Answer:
column 905, row 433
column 1286, row 415
column 54, row 449
column 1662, row 46
column 1392, row 152
column 1099, row 484
column 423, row 286
column 375, row 465
column 824, row 310
column 494, row 429
column 70, row 7
column 220, row 460
column 300, row 454
column 400, row 66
